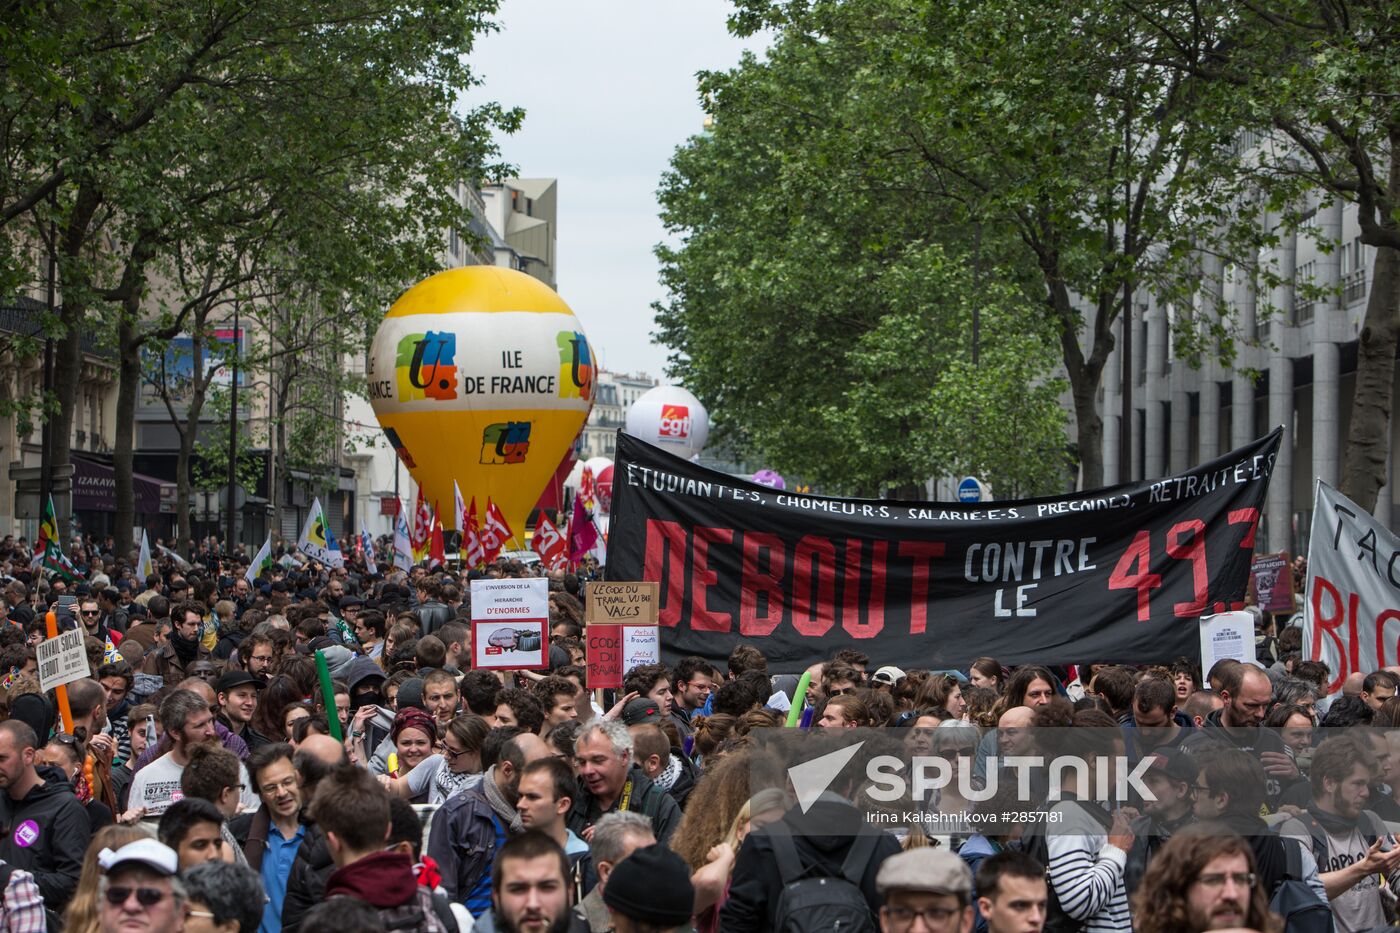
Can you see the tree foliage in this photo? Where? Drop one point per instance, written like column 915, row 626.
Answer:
column 819, row 310
column 311, row 148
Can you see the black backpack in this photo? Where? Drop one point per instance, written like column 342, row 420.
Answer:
column 1301, row 909
column 1035, row 845
column 818, row 904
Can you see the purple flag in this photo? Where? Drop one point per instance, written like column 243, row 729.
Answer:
column 583, row 537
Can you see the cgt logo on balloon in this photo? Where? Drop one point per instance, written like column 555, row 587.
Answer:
column 575, row 365
column 675, row 422
column 506, row 442
column 427, row 366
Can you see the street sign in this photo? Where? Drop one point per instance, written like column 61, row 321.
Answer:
column 62, row 660
column 972, row 489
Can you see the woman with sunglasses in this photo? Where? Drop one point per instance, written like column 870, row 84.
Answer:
column 956, row 743
column 457, row 767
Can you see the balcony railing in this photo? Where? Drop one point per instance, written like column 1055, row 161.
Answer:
column 1354, row 286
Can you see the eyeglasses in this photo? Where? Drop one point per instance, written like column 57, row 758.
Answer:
column 903, row 917
column 284, row 784
column 92, row 612
column 202, row 914
column 1216, row 880
column 1200, row 789
column 452, row 753
column 146, row 897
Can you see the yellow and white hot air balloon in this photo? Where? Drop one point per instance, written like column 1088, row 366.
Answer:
column 484, row 376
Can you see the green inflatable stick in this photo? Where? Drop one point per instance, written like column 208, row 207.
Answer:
column 328, row 694
column 798, row 698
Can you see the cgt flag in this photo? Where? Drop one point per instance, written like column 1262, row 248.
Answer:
column 548, row 543
column 1351, row 611
column 1119, row 574
column 495, row 532
column 473, row 552
column 437, row 553
column 422, row 528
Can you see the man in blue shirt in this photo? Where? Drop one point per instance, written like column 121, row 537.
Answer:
column 271, row 835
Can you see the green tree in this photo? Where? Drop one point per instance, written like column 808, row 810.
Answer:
column 1031, row 120
column 813, row 309
column 325, row 138
column 1318, row 85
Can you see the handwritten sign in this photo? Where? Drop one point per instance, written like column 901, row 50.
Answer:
column 62, row 660
column 602, row 644
column 613, row 650
column 622, row 603
column 510, row 624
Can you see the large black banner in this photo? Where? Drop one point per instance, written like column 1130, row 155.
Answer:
column 1119, row 574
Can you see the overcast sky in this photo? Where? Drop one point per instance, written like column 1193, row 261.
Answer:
column 609, row 91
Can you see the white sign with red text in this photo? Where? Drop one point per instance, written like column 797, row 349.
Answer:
column 510, row 624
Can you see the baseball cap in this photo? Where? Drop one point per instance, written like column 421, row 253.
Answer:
column 232, row 679
column 889, row 674
column 160, row 858
column 641, row 710
column 935, row 871
column 1175, row 764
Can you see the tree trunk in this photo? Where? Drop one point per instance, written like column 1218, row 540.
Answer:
column 188, row 436
column 1368, row 442
column 68, row 351
column 128, row 386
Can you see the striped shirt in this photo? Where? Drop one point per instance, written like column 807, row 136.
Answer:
column 1085, row 871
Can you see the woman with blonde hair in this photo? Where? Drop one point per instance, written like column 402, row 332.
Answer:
column 722, row 810
column 84, row 914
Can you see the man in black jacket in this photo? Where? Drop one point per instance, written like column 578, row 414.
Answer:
column 44, row 830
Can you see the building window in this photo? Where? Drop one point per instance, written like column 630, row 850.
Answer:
column 1304, row 306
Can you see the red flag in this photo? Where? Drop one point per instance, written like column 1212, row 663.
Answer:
column 422, row 527
column 473, row 553
column 437, row 555
column 588, row 488
column 494, row 531
column 583, row 536
column 548, row 543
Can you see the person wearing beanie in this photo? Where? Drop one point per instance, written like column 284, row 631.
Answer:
column 650, row 890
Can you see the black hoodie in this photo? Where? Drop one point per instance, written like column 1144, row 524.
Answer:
column 758, row 884
column 46, row 834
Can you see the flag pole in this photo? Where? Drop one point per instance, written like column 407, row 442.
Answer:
column 60, row 693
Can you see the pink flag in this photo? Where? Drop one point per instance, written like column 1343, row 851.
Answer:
column 583, row 537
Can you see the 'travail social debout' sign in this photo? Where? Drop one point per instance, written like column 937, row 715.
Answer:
column 1119, row 574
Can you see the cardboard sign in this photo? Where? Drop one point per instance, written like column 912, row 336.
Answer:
column 622, row 603
column 510, row 624
column 1271, row 582
column 613, row 650
column 62, row 660
column 1226, row 635
column 603, row 647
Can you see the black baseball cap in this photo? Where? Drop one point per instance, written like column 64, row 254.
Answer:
column 238, row 678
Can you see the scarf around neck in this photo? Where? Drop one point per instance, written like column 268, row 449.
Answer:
column 504, row 811
column 186, row 649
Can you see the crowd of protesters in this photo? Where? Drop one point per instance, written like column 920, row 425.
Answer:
column 199, row 785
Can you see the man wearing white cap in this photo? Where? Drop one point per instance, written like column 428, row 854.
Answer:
column 140, row 891
column 926, row 889
column 886, row 678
